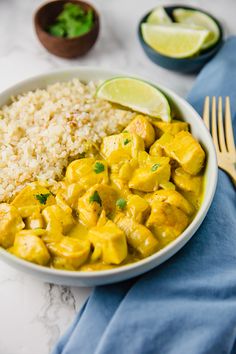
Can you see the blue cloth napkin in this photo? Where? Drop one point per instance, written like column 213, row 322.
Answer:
column 187, row 305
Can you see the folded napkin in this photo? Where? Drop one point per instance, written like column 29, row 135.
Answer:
column 188, row 304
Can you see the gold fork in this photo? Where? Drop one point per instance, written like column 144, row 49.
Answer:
column 222, row 134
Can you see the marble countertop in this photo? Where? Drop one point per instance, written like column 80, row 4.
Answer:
column 33, row 314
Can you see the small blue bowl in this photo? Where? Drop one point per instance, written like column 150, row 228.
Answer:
column 187, row 65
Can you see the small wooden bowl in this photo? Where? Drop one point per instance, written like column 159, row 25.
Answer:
column 64, row 47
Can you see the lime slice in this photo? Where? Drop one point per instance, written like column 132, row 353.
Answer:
column 158, row 17
column 198, row 18
column 175, row 40
column 136, row 94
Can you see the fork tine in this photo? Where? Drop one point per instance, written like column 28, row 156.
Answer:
column 206, row 112
column 221, row 130
column 228, row 127
column 214, row 125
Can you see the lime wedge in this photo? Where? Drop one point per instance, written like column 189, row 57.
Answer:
column 198, row 18
column 137, row 95
column 158, row 17
column 175, row 40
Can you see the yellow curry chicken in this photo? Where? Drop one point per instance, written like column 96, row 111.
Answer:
column 115, row 206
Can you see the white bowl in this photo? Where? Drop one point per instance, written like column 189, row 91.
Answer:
column 125, row 272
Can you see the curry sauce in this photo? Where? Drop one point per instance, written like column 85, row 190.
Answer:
column 134, row 195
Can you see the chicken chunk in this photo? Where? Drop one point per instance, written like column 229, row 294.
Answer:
column 137, row 208
column 29, row 246
column 185, row 150
column 111, row 240
column 51, row 216
column 62, row 204
column 120, row 184
column 11, row 223
column 138, row 236
column 71, row 193
column 190, row 186
column 120, row 147
column 34, row 221
column 69, row 253
column 148, row 177
column 32, row 198
column 78, row 169
column 167, row 185
column 166, row 221
column 58, row 222
column 172, row 197
column 145, row 159
column 158, row 148
column 187, row 182
column 126, row 169
column 87, row 172
column 93, row 201
column 173, row 128
column 141, row 126
column 89, row 208
column 117, row 158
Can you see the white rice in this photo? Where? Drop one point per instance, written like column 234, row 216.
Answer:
column 41, row 131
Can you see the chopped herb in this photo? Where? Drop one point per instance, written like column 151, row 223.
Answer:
column 155, row 167
column 70, row 10
column 42, row 198
column 121, row 203
column 125, row 131
column 95, row 198
column 73, row 21
column 57, row 30
column 126, row 141
column 98, row 167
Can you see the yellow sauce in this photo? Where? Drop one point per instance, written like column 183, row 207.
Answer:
column 121, row 204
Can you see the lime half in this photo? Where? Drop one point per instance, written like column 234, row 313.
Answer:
column 191, row 17
column 175, row 40
column 137, row 95
column 158, row 17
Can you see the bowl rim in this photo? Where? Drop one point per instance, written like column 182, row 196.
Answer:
column 175, row 245
column 38, row 26
column 205, row 53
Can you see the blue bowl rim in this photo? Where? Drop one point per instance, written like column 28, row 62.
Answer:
column 205, row 53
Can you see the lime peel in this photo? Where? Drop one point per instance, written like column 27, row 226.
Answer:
column 188, row 17
column 137, row 95
column 175, row 40
column 159, row 16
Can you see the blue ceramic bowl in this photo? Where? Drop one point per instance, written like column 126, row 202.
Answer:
column 187, row 65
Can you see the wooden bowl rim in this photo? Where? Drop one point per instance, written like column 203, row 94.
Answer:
column 63, row 39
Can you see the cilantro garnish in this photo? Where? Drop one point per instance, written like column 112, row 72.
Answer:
column 95, row 198
column 57, row 30
column 73, row 21
column 126, row 141
column 121, row 203
column 42, row 198
column 98, row 167
column 155, row 167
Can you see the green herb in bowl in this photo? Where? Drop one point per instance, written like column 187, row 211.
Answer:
column 72, row 22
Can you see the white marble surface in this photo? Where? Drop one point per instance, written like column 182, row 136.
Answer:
column 32, row 314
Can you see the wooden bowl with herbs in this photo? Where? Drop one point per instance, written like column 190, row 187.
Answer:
column 67, row 29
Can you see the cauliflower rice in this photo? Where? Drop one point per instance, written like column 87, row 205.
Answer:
column 42, row 131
